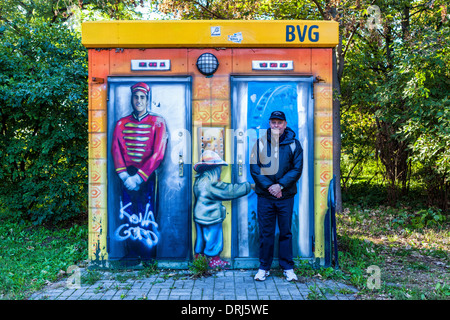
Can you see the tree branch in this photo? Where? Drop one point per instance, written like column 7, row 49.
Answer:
column 322, row 13
column 349, row 41
column 209, row 11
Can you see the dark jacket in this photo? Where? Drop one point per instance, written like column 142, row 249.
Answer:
column 266, row 170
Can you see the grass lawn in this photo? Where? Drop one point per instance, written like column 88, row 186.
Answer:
column 409, row 248
column 32, row 257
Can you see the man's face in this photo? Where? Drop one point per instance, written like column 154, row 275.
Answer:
column 139, row 102
column 277, row 126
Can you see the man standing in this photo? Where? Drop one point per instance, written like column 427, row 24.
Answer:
column 276, row 165
column 138, row 147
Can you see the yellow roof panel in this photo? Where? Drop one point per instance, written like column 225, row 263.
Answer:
column 209, row 33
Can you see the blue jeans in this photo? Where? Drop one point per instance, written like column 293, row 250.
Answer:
column 209, row 239
column 268, row 211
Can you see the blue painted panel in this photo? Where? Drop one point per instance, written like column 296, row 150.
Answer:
column 263, row 99
column 253, row 100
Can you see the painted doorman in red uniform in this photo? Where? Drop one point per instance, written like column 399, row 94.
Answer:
column 138, row 147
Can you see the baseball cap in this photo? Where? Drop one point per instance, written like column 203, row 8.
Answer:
column 278, row 115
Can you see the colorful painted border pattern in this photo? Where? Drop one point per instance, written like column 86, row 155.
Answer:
column 211, row 108
column 99, row 68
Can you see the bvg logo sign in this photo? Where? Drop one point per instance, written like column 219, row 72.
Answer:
column 300, row 33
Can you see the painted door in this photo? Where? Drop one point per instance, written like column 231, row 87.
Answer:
column 253, row 100
column 149, row 171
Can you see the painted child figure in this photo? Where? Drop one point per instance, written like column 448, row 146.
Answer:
column 209, row 212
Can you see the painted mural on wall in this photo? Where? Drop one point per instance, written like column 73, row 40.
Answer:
column 187, row 100
column 263, row 99
column 209, row 213
column 138, row 148
column 256, row 99
column 149, row 186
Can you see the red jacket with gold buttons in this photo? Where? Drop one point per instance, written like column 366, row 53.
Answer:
column 140, row 143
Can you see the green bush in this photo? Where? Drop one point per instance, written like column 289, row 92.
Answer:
column 431, row 217
column 43, row 121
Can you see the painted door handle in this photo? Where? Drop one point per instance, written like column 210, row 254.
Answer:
column 240, row 166
column 180, row 166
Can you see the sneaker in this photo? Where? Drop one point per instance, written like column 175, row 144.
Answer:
column 290, row 275
column 261, row 275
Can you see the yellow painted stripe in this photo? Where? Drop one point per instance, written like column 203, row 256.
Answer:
column 135, row 125
column 136, row 149
column 135, row 144
column 143, row 173
column 210, row 33
column 137, row 138
column 135, row 154
column 135, row 131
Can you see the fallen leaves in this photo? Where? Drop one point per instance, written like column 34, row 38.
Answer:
column 414, row 259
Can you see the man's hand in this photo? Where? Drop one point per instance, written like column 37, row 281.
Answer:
column 275, row 190
column 124, row 176
column 133, row 182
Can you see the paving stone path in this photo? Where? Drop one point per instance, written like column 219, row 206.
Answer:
column 179, row 285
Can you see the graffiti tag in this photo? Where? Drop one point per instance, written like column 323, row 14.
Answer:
column 141, row 228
